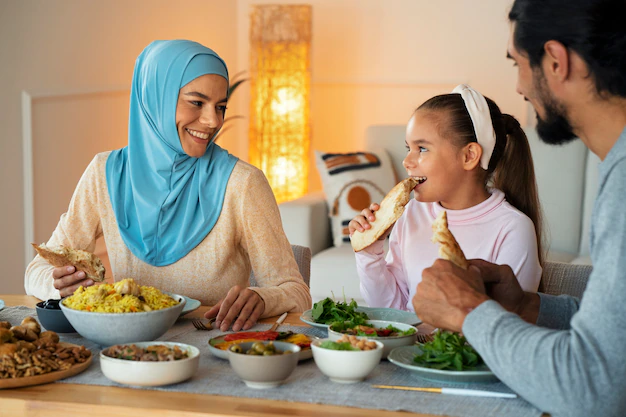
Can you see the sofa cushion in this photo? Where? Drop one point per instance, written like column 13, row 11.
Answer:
column 556, row 256
column 560, row 172
column 392, row 139
column 582, row 260
column 306, row 221
column 352, row 181
column 333, row 272
column 591, row 191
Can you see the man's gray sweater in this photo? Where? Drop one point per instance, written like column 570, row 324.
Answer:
column 573, row 362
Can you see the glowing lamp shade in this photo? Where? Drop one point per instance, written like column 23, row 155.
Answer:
column 280, row 82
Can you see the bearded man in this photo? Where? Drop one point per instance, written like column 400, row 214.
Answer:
column 562, row 354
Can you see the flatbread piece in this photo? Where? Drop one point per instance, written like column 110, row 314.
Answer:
column 449, row 248
column 391, row 208
column 82, row 260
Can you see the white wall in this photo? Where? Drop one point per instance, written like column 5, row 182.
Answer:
column 373, row 62
column 63, row 49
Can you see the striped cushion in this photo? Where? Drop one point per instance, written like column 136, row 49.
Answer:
column 352, row 181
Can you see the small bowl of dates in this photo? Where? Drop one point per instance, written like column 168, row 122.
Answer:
column 52, row 318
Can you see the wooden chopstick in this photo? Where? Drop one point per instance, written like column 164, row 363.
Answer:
column 451, row 391
column 278, row 322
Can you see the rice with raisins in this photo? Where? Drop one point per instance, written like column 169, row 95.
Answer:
column 108, row 298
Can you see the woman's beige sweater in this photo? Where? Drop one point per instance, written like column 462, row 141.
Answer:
column 248, row 236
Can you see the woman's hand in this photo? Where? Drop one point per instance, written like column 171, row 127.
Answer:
column 67, row 280
column 362, row 221
column 241, row 307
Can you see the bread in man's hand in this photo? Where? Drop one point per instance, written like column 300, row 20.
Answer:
column 84, row 261
column 391, row 208
column 449, row 248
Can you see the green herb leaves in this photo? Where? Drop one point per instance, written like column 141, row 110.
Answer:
column 337, row 346
column 328, row 311
column 448, row 351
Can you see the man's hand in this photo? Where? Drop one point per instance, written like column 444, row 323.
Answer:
column 447, row 294
column 67, row 280
column 241, row 307
column 503, row 287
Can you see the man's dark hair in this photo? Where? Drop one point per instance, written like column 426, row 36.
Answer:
column 594, row 29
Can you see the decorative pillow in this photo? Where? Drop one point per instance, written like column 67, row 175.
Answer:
column 351, row 182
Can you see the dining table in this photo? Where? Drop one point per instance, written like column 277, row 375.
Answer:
column 68, row 399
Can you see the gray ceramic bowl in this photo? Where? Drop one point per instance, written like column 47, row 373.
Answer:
column 108, row 329
column 53, row 319
column 264, row 371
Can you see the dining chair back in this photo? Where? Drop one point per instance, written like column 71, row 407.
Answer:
column 563, row 278
column 302, row 254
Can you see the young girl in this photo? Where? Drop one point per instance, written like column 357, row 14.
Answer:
column 475, row 163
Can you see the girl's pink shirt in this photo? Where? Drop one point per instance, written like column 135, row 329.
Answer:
column 493, row 230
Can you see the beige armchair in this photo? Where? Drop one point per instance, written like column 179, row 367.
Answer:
column 562, row 278
column 303, row 259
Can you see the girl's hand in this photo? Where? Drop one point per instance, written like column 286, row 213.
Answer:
column 67, row 280
column 362, row 221
column 241, row 307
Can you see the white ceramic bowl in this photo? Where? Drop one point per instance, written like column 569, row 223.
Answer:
column 264, row 371
column 151, row 374
column 346, row 366
column 389, row 343
column 107, row 329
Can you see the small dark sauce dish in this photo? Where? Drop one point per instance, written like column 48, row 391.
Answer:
column 52, row 318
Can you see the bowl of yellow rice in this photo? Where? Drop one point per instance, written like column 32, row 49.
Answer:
column 124, row 312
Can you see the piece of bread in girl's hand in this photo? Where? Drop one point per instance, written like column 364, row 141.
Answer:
column 449, row 248
column 391, row 208
column 84, row 261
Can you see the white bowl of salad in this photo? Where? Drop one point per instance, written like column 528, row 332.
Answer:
column 390, row 333
column 348, row 359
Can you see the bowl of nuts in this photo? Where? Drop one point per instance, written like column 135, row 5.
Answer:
column 348, row 359
column 263, row 364
column 31, row 356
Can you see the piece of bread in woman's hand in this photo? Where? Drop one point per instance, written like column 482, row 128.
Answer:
column 84, row 261
column 391, row 208
column 449, row 248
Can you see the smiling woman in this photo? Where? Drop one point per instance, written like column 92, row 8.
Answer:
column 177, row 211
column 200, row 112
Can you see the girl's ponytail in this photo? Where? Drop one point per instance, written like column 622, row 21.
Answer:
column 514, row 173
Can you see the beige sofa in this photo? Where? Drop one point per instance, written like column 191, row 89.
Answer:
column 567, row 178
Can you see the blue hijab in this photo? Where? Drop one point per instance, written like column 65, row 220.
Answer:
column 166, row 202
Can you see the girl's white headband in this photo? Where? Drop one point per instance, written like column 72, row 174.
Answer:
column 481, row 119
